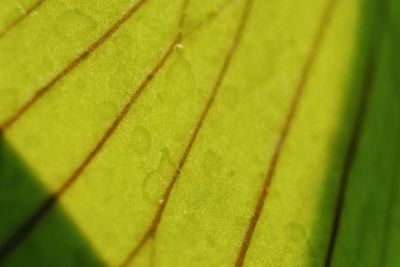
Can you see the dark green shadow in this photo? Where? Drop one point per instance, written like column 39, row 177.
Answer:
column 56, row 241
column 365, row 163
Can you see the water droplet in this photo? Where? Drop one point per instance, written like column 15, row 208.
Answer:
column 296, row 232
column 123, row 43
column 155, row 181
column 241, row 222
column 180, row 74
column 20, row 8
column 73, row 24
column 211, row 163
column 109, row 109
column 179, row 46
column 140, row 140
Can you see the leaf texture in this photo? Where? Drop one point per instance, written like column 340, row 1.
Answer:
column 199, row 133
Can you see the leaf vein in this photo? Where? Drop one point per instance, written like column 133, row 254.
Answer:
column 304, row 75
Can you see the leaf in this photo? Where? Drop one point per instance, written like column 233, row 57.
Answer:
column 191, row 133
column 367, row 230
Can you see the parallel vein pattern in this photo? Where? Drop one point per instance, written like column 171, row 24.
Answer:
column 71, row 66
column 167, row 160
column 152, row 229
column 371, row 93
column 15, row 22
column 16, row 238
column 352, row 148
column 315, row 46
column 33, row 220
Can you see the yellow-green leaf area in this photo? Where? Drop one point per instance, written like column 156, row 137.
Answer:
column 198, row 133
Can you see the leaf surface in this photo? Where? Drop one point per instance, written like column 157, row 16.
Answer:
column 193, row 133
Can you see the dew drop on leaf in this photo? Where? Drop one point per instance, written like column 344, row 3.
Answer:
column 74, row 24
column 212, row 163
column 296, row 232
column 141, row 140
column 154, row 182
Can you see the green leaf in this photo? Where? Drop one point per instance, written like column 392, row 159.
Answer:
column 198, row 133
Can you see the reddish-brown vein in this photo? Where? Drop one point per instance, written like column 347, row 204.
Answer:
column 151, row 230
column 305, row 73
column 369, row 76
column 183, row 14
column 27, row 227
column 212, row 14
column 71, row 66
column 348, row 162
column 16, row 21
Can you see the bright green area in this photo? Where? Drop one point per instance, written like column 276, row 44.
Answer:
column 114, row 200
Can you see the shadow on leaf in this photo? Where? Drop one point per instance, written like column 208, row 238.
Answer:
column 56, row 241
